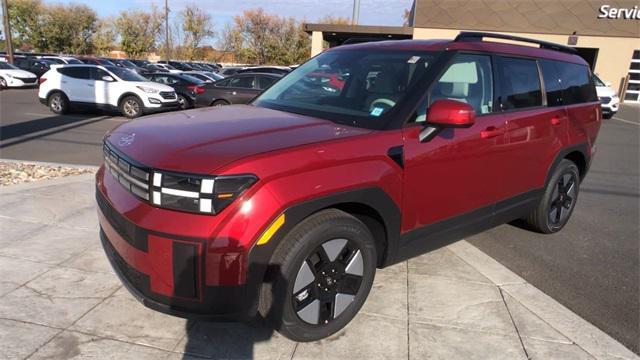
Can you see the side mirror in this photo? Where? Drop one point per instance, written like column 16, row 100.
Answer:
column 451, row 113
column 446, row 113
column 107, row 78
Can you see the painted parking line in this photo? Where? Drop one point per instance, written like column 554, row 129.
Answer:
column 626, row 121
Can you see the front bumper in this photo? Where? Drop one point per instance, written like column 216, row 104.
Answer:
column 21, row 82
column 610, row 107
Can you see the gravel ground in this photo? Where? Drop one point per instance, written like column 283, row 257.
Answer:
column 19, row 172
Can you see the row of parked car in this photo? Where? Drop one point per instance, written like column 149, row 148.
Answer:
column 134, row 94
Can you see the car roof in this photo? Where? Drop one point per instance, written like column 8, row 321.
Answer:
column 503, row 48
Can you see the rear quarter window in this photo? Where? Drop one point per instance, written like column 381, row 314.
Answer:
column 519, row 83
column 567, row 83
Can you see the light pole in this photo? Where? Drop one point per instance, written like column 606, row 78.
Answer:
column 7, row 31
column 167, row 51
column 356, row 12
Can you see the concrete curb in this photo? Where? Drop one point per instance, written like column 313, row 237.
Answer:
column 591, row 339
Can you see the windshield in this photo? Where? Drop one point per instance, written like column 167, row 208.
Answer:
column 74, row 61
column 352, row 87
column 6, row 66
column 128, row 63
column 125, row 74
column 598, row 81
column 56, row 60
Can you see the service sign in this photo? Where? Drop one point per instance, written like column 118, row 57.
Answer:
column 611, row 12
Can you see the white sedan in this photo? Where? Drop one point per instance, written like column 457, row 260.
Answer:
column 11, row 76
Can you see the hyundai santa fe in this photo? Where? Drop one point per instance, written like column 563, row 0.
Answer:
column 286, row 207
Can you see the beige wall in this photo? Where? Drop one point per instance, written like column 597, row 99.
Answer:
column 316, row 43
column 613, row 59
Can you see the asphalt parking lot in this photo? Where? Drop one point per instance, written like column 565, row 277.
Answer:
column 591, row 267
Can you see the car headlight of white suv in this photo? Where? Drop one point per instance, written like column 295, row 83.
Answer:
column 148, row 90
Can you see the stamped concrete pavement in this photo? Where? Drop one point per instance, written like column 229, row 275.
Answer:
column 60, row 299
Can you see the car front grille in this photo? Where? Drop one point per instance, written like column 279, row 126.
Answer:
column 168, row 95
column 133, row 178
column 605, row 100
column 28, row 80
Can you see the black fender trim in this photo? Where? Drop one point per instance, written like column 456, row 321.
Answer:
column 259, row 258
column 582, row 148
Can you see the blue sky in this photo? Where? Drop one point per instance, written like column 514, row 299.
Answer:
column 372, row 12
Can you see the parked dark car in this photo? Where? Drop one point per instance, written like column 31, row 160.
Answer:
column 178, row 65
column 282, row 70
column 206, row 76
column 237, row 89
column 230, row 70
column 155, row 68
column 124, row 63
column 34, row 65
column 141, row 63
column 96, row 61
column 186, row 87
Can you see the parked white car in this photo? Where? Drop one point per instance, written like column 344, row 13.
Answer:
column 608, row 97
column 106, row 87
column 12, row 76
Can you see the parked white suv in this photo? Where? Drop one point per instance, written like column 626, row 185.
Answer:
column 102, row 86
column 12, row 76
column 609, row 100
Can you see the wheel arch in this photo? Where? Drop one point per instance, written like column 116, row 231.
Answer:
column 126, row 94
column 578, row 153
column 53, row 91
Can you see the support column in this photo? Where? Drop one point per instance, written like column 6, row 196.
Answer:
column 316, row 43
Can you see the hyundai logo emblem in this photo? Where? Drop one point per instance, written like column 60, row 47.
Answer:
column 127, row 140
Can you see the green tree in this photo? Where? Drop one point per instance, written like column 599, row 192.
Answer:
column 139, row 31
column 196, row 27
column 261, row 38
column 69, row 28
column 25, row 17
column 104, row 37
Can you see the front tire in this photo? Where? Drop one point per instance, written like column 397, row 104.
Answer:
column 220, row 103
column 326, row 266
column 58, row 103
column 131, row 107
column 183, row 102
column 559, row 199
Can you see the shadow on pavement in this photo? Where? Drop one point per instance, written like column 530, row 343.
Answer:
column 33, row 129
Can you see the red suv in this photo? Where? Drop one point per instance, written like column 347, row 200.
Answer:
column 287, row 206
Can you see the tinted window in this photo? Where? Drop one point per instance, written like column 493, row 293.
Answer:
column 76, row 72
column 265, row 81
column 245, row 82
column 576, row 82
column 98, row 74
column 519, row 84
column 57, row 61
column 468, row 79
column 125, row 74
column 552, row 83
column 74, row 61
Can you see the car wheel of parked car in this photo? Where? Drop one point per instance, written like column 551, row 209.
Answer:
column 220, row 103
column 3, row 83
column 131, row 107
column 326, row 268
column 58, row 103
column 558, row 201
column 183, row 102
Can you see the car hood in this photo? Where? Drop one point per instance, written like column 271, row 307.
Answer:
column 202, row 140
column 18, row 73
column 154, row 85
column 605, row 91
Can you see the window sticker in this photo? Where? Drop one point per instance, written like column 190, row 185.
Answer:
column 413, row 60
column 376, row 111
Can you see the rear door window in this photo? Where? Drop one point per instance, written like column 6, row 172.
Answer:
column 76, row 72
column 244, row 82
column 552, row 82
column 265, row 81
column 519, row 83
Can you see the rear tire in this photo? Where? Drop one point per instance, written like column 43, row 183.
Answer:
column 58, row 103
column 220, row 103
column 3, row 83
column 131, row 107
column 558, row 201
column 326, row 268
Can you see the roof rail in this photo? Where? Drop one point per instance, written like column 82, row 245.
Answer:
column 478, row 36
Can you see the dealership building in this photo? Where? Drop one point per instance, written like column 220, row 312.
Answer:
column 605, row 33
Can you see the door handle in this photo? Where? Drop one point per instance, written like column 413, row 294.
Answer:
column 491, row 132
